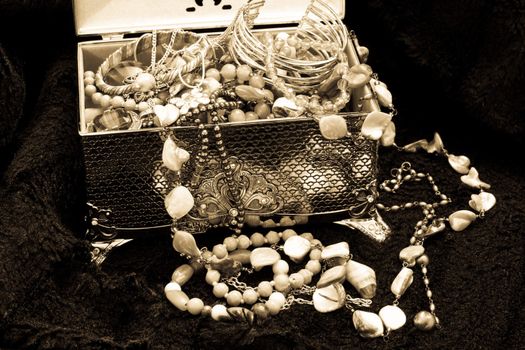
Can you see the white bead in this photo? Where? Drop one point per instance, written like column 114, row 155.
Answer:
column 280, row 267
column 179, row 202
column 313, row 266
column 278, row 297
column 393, row 317
column 261, row 257
column 243, row 242
column 461, row 219
column 296, row 280
column 220, row 290
column 329, row 298
column 212, row 276
column 230, row 243
column 337, row 250
column 315, row 254
column 265, row 289
column 402, row 281
column 482, row 202
column 219, row 312
column 234, row 298
column 195, row 306
column 273, row 307
column 220, row 251
column 307, row 275
column 257, row 239
column 177, row 298
column 250, row 296
column 368, row 324
column 282, row 282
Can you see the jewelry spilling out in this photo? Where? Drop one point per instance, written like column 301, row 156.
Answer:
column 242, row 76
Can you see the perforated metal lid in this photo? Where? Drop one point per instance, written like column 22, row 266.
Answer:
column 129, row 16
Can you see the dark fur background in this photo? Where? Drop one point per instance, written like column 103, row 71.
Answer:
column 453, row 66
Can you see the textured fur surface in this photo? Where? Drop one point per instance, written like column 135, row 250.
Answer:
column 453, row 66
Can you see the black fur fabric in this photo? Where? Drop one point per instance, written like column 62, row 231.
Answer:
column 453, row 66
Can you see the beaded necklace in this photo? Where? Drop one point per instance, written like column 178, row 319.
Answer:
column 225, row 263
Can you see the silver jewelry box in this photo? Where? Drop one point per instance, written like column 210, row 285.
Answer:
column 289, row 173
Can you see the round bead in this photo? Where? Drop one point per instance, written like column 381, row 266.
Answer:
column 280, row 267
column 234, row 298
column 195, row 306
column 316, row 243
column 257, row 239
column 282, row 282
column 230, row 243
column 90, row 90
column 213, row 73
column 261, row 311
column 117, row 101
column 262, row 110
column 307, row 275
column 424, row 321
column 257, row 81
column 89, row 81
column 250, row 296
column 130, row 104
column 219, row 312
column 243, row 242
column 265, row 289
column 273, row 307
column 220, row 290
column 236, row 115
column 315, row 254
column 228, row 72
column 105, row 101
column 314, row 266
column 220, row 251
column 243, row 72
column 308, row 235
column 278, row 297
column 96, row 97
column 292, row 41
column 212, row 276
column 296, row 280
column 288, row 233
column 89, row 74
column 145, row 82
column 143, row 106
column 251, row 116
column 272, row 237
column 429, row 293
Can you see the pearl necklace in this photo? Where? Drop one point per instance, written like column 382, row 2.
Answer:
column 228, row 260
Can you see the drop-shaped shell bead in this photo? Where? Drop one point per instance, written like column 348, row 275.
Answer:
column 460, row 164
column 389, row 135
column 296, row 247
column 368, row 324
column 461, row 219
column 184, row 243
column 166, row 115
column 436, row 145
column 363, row 52
column 173, row 156
column 283, row 107
column 179, row 202
column 358, row 75
column 403, row 280
column 482, row 202
column 333, row 127
column 337, row 250
column 472, row 180
column 362, row 278
column 393, row 317
column 334, row 275
column 384, row 96
column 411, row 253
column 375, row 124
column 329, row 298
column 265, row 256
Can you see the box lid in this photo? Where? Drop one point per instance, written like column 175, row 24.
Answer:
column 129, row 16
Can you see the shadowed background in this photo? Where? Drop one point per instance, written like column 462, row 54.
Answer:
column 453, row 66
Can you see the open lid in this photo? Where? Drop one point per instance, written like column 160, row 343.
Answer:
column 129, row 16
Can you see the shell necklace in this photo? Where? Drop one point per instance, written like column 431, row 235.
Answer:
column 226, row 262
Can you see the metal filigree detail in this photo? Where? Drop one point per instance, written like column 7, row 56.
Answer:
column 365, row 200
column 215, row 202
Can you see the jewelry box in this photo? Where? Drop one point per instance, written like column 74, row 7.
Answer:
column 289, row 173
